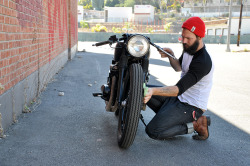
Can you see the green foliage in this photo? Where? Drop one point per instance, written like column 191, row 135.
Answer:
column 84, row 24
column 183, row 19
column 99, row 28
column 112, row 3
column 246, row 50
column 178, row 8
column 98, row 4
column 117, row 30
column 163, row 4
column 84, row 2
column 192, row 1
column 167, row 26
column 128, row 27
column 129, row 3
column 119, row 5
column 88, row 7
column 87, row 4
column 150, row 29
column 225, row 15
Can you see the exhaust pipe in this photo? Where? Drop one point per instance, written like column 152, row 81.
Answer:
column 109, row 103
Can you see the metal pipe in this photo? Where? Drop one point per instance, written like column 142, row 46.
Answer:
column 239, row 30
column 229, row 27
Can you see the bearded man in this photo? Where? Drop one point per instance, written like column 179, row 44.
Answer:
column 179, row 109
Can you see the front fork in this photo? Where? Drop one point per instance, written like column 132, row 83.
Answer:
column 121, row 84
column 123, row 81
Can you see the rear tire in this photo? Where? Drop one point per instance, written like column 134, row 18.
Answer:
column 129, row 115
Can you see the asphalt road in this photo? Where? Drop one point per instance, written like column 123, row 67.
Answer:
column 75, row 129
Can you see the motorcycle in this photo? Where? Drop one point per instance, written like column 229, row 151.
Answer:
column 126, row 83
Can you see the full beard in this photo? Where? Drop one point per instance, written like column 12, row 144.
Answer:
column 191, row 49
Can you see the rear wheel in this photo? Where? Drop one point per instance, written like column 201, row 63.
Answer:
column 130, row 113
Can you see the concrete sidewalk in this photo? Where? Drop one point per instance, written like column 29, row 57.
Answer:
column 74, row 129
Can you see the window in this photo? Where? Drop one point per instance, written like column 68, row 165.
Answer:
column 210, row 32
column 224, row 32
column 218, row 32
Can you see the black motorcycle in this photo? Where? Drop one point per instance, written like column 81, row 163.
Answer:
column 126, row 83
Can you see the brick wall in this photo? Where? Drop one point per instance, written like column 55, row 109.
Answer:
column 34, row 34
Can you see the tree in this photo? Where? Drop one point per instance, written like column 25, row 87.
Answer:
column 166, row 4
column 192, row 1
column 97, row 4
column 129, row 3
column 122, row 1
column 177, row 6
column 167, row 26
column 84, row 2
column 121, row 4
column 161, row 4
column 87, row 4
column 111, row 3
column 138, row 2
column 233, row 1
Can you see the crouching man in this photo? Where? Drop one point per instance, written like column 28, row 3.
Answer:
column 179, row 108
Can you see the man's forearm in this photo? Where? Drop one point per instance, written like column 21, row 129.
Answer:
column 175, row 64
column 166, row 91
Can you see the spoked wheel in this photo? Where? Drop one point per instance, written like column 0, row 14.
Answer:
column 130, row 113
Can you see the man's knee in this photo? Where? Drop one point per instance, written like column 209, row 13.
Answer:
column 150, row 132
column 164, row 134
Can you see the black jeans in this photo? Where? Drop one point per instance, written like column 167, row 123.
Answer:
column 171, row 117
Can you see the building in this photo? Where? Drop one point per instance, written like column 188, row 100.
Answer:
column 118, row 14
column 215, row 8
column 144, row 13
column 93, row 15
column 80, row 13
column 222, row 29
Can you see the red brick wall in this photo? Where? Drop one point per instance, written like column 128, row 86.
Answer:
column 32, row 34
column 73, row 23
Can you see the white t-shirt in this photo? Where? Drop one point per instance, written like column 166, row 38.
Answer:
column 196, row 78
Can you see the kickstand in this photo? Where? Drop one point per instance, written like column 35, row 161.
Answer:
column 141, row 117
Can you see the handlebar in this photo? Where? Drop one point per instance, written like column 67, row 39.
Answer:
column 102, row 43
column 159, row 48
column 113, row 39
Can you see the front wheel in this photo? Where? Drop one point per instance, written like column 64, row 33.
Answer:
column 130, row 113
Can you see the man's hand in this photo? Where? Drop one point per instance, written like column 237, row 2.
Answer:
column 163, row 55
column 148, row 95
column 174, row 62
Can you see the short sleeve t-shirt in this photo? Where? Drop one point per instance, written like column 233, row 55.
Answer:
column 196, row 78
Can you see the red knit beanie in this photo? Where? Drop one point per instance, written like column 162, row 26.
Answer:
column 195, row 25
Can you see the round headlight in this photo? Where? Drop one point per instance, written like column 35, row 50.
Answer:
column 138, row 46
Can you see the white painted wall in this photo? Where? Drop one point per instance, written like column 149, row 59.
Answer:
column 144, row 13
column 222, row 29
column 118, row 14
column 80, row 13
column 244, row 26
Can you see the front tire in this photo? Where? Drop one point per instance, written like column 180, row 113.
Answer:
column 129, row 115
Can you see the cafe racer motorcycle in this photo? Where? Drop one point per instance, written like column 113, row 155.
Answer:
column 126, row 83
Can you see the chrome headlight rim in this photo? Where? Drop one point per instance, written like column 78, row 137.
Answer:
column 139, row 39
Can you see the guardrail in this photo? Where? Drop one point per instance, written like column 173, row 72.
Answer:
column 162, row 38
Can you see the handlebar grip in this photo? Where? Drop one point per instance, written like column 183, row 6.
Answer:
column 101, row 43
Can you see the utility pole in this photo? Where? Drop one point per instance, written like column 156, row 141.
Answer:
column 239, row 30
column 229, row 27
